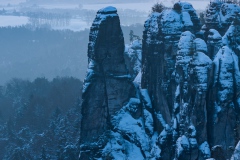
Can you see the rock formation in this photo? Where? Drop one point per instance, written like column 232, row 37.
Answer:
column 236, row 154
column 107, row 86
column 181, row 103
column 160, row 45
column 224, row 97
column 220, row 15
column 214, row 43
column 192, row 73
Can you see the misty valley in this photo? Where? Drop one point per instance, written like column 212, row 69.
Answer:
column 140, row 80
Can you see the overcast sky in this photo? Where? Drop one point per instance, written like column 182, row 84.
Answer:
column 197, row 4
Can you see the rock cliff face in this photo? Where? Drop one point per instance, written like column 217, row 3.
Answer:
column 107, row 86
column 224, row 97
column 160, row 45
column 192, row 73
column 219, row 15
column 181, row 100
column 214, row 43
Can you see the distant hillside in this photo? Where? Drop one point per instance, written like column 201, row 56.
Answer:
column 43, row 52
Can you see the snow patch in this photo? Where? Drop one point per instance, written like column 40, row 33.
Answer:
column 205, row 150
column 146, row 98
column 108, row 10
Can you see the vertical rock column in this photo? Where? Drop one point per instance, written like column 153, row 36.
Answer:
column 224, row 98
column 183, row 59
column 153, row 70
column 160, row 45
column 107, row 86
column 199, row 81
column 192, row 76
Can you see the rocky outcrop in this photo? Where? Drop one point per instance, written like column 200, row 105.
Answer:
column 219, row 16
column 214, row 43
column 160, row 43
column 107, row 86
column 236, row 154
column 224, row 97
column 181, row 103
column 192, row 73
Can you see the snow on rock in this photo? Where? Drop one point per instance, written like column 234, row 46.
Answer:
column 133, row 128
column 183, row 58
column 160, row 119
column 160, row 44
column 107, row 86
column 187, row 7
column 224, row 96
column 220, row 15
column 176, row 71
column 214, row 35
column 155, row 152
column 187, row 147
column 232, row 37
column 182, row 145
column 146, row 98
column 90, row 73
column 201, row 65
column 133, row 57
column 205, row 150
column 214, row 42
column 132, row 135
column 182, row 95
column 137, row 79
column 236, row 154
column 119, row 148
column 200, row 45
column 186, row 19
column 148, row 122
column 108, row 10
column 192, row 74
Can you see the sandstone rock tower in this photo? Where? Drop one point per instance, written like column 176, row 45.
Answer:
column 107, row 86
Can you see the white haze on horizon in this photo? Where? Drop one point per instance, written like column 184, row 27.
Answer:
column 141, row 6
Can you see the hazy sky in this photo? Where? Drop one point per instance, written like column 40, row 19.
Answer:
column 11, row 1
column 144, row 5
